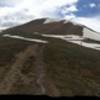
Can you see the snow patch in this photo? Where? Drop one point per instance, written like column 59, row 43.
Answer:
column 23, row 38
column 91, row 34
column 53, row 36
column 76, row 40
column 74, row 37
column 68, row 38
column 88, row 45
column 66, row 21
column 50, row 20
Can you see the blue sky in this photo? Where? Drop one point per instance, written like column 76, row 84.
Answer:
column 88, row 8
column 15, row 12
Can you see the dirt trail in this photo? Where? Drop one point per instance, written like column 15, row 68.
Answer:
column 46, row 86
column 15, row 72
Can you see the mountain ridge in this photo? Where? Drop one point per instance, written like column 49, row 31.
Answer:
column 52, row 20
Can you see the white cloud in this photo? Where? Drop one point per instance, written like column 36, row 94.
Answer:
column 69, row 9
column 91, row 22
column 92, row 5
column 70, row 17
column 72, row 9
column 37, row 7
column 22, row 11
column 42, row 8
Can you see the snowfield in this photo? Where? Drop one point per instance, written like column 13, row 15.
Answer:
column 75, row 39
column 23, row 38
column 90, row 34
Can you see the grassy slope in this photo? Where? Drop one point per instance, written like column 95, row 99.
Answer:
column 9, row 47
column 8, row 50
column 49, row 28
column 74, row 69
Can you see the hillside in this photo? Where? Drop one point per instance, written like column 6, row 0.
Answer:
column 57, row 67
column 50, row 28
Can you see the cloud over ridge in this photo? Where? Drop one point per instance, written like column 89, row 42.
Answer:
column 15, row 12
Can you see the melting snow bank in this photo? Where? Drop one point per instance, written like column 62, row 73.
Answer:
column 85, row 44
column 91, row 34
column 76, row 40
column 69, row 38
column 23, row 38
column 50, row 20
column 65, row 37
